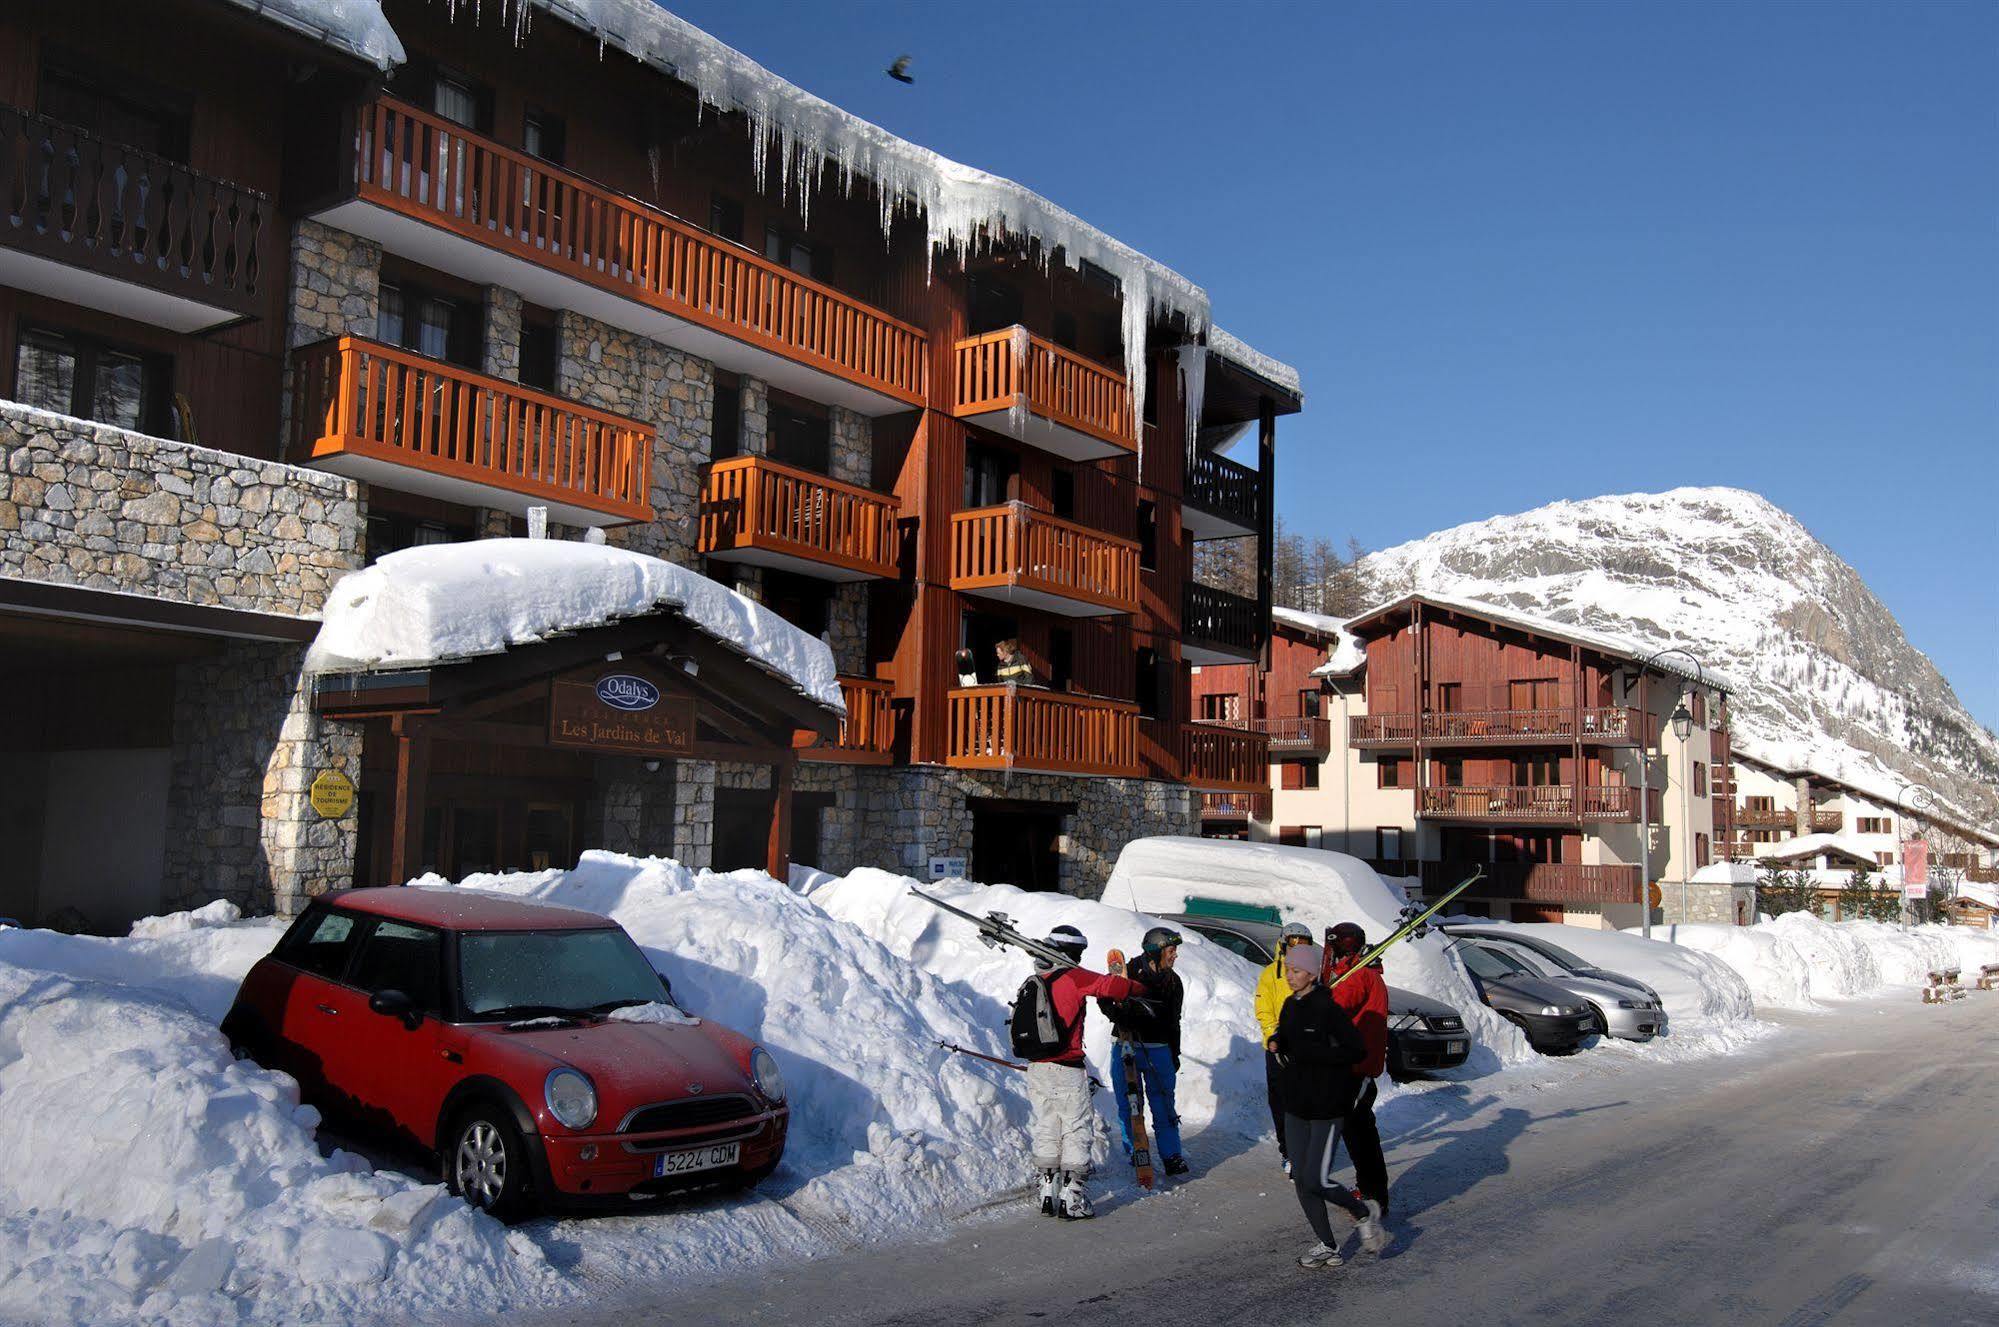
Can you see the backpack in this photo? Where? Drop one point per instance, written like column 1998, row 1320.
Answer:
column 1037, row 1032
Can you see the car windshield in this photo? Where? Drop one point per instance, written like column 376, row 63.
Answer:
column 531, row 974
column 1556, row 954
column 1485, row 963
column 1530, row 961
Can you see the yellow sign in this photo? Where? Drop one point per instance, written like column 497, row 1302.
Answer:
column 332, row 794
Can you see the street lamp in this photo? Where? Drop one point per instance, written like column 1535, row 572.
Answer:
column 1682, row 721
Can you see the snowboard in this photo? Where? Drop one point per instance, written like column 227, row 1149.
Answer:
column 1134, row 1092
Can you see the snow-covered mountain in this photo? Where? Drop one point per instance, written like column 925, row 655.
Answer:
column 1825, row 675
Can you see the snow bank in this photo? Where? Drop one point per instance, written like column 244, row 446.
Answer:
column 455, row 601
column 1798, row 960
column 1699, row 990
column 152, row 1177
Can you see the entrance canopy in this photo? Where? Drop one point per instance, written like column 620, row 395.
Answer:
column 523, row 643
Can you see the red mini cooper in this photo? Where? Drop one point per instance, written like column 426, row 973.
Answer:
column 532, row 1047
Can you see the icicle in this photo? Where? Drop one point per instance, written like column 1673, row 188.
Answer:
column 1194, row 388
column 1016, row 411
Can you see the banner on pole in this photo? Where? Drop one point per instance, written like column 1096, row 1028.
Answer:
column 1916, row 863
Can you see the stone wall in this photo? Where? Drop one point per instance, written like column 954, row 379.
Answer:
column 500, row 355
column 693, row 813
column 633, row 807
column 909, row 815
column 840, row 842
column 1702, row 902
column 336, row 285
column 617, row 370
column 104, row 508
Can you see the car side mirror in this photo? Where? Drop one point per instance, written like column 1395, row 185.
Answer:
column 395, row 1004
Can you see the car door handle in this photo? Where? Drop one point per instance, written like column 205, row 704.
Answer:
column 327, row 1009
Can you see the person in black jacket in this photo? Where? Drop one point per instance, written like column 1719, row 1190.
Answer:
column 1317, row 1047
column 1150, row 1029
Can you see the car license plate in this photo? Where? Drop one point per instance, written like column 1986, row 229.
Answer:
column 696, row 1158
column 1456, row 1048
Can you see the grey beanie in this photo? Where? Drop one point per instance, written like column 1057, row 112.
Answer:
column 1306, row 958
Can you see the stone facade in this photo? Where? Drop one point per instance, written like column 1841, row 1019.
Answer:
column 336, row 285
column 617, row 370
column 909, row 815
column 107, row 509
column 841, row 847
column 853, row 459
column 693, row 813
column 1704, row 902
column 633, row 807
column 500, row 355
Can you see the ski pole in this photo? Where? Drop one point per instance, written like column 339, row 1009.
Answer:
column 1006, row 1064
column 1478, row 874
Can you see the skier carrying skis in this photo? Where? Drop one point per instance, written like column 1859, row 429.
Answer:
column 1151, row 1033
column 1364, row 996
column 1318, row 1047
column 1271, row 993
column 1058, row 1087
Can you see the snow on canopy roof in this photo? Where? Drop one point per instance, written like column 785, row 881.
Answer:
column 1615, row 644
column 357, row 27
column 1811, row 845
column 446, row 602
column 1160, row 874
column 1263, row 366
column 1345, row 654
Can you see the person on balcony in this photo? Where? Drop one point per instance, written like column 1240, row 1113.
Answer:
column 968, row 668
column 1013, row 665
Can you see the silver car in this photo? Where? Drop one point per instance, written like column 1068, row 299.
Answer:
column 1621, row 1011
column 1567, row 959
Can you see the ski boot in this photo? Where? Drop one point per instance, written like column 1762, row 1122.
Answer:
column 1177, row 1166
column 1048, row 1193
column 1075, row 1203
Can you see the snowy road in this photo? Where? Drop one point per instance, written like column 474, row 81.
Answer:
column 1841, row 1172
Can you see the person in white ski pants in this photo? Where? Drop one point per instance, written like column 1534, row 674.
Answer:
column 1059, row 1096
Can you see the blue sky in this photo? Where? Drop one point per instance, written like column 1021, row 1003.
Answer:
column 1523, row 252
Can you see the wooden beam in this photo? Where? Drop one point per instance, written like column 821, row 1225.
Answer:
column 412, row 755
column 1266, row 519
column 777, row 857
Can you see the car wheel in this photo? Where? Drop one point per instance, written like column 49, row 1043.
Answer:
column 1525, row 1031
column 485, row 1162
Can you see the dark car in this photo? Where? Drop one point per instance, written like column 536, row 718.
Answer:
column 532, row 1049
column 1423, row 1033
column 1554, row 1021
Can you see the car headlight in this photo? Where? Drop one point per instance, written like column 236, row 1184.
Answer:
column 571, row 1097
column 1630, row 1004
column 1552, row 1010
column 1404, row 1022
column 766, row 1075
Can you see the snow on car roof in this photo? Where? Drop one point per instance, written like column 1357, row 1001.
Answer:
column 456, row 908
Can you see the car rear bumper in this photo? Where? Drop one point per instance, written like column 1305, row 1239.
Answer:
column 620, row 1165
column 1422, row 1051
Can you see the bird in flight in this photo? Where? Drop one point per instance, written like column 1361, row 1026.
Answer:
column 899, row 71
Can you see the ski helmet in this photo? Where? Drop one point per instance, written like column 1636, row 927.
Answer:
column 1294, row 931
column 1069, row 940
column 1159, row 938
column 1351, row 933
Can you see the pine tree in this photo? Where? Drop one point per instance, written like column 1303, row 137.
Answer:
column 1777, row 892
column 1856, row 896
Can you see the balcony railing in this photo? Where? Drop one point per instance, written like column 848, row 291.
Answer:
column 1534, row 803
column 1021, row 555
column 388, row 416
column 1026, row 728
column 1218, row 626
column 1036, row 392
column 1602, row 725
column 420, row 166
column 1222, row 757
column 1538, row 882
column 757, row 510
column 189, row 251
column 1221, row 500
column 1235, row 807
column 1295, row 735
column 867, row 734
column 1979, row 875
column 1821, row 820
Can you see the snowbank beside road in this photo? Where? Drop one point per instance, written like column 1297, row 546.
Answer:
column 1699, row 990
column 1798, row 960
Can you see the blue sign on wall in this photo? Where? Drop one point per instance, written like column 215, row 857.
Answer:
column 622, row 691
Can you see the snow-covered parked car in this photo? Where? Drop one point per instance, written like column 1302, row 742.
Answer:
column 1625, row 1007
column 532, row 1048
column 1555, row 1022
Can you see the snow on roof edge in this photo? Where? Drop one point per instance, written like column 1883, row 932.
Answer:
column 1240, row 352
column 357, row 27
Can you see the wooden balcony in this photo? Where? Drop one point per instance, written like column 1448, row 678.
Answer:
column 436, row 192
column 867, row 734
column 1221, row 500
column 92, row 222
column 1821, row 820
column 1537, row 882
column 1234, row 808
column 1049, row 732
column 390, row 417
column 769, row 514
column 1035, row 392
column 1219, row 627
column 1610, row 725
column 1521, row 804
column 1022, row 556
column 1223, row 758
column 1294, row 736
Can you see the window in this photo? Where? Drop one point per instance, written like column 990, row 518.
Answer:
column 803, row 601
column 1145, row 682
column 320, row 943
column 1388, row 843
column 1450, row 773
column 1884, row 859
column 392, row 531
column 1221, row 707
column 91, row 379
column 1758, row 804
column 400, row 957
column 1534, row 693
column 1697, row 706
column 1700, row 779
column 1061, row 658
column 1063, row 332
column 1536, row 771
column 1148, row 536
column 114, row 106
column 457, row 98
column 1298, row 774
column 991, row 305
column 416, row 317
column 725, row 217
column 1062, row 494
column 800, row 433
column 989, row 475
column 805, row 257
column 727, row 439
column 1701, row 850
column 1450, row 697
column 1874, row 825
column 543, row 135
column 1388, row 774
column 1308, row 703
column 539, row 355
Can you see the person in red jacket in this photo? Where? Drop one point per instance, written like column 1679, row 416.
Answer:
column 1364, row 997
column 1058, row 1086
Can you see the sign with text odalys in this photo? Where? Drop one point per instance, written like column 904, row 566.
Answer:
column 614, row 707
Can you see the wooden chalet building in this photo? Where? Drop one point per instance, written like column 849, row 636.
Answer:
column 278, row 299
column 1431, row 735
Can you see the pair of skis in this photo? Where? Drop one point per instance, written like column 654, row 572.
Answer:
column 1413, row 926
column 1134, row 1096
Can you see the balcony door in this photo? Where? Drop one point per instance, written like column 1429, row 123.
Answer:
column 1533, row 693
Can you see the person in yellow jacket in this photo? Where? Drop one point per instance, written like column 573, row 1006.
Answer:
column 1271, row 993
